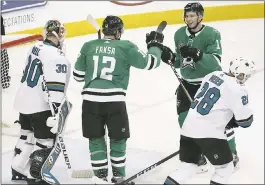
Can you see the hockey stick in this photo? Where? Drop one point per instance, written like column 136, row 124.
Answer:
column 87, row 173
column 149, row 168
column 63, row 112
column 179, row 79
column 160, row 29
column 94, row 23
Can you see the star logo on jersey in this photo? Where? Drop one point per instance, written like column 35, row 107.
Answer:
column 188, row 62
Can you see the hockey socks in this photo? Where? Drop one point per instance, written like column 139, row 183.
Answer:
column 118, row 157
column 99, row 160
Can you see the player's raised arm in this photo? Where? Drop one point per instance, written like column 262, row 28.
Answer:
column 152, row 58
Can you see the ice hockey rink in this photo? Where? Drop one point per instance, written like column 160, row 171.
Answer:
column 152, row 110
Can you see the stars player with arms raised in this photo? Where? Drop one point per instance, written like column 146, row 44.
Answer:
column 104, row 65
column 198, row 53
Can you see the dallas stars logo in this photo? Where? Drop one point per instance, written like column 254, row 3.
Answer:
column 188, row 62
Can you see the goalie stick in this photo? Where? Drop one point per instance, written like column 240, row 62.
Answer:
column 63, row 112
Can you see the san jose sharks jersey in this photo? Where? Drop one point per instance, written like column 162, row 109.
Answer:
column 218, row 99
column 31, row 96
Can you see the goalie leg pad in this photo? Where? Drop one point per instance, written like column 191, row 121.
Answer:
column 20, row 161
column 38, row 158
column 25, row 136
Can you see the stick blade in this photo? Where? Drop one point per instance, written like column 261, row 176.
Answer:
column 93, row 21
column 161, row 26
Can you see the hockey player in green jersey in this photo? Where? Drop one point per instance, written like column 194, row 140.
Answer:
column 104, row 66
column 198, row 53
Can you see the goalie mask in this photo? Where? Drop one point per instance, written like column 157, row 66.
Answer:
column 54, row 28
column 242, row 69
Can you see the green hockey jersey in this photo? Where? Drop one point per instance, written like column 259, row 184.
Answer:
column 104, row 66
column 208, row 40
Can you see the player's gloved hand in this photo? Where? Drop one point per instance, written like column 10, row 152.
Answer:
column 232, row 123
column 53, row 122
column 167, row 55
column 154, row 39
column 194, row 53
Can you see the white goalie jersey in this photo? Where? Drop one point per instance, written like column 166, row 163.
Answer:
column 31, row 96
column 219, row 98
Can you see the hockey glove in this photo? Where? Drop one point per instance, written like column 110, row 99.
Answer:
column 53, row 121
column 167, row 55
column 194, row 53
column 154, row 39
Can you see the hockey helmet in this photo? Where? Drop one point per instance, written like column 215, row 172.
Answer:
column 194, row 7
column 242, row 69
column 111, row 25
column 55, row 28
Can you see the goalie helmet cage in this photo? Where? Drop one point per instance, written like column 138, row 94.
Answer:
column 11, row 53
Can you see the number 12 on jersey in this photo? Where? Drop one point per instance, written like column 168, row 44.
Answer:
column 105, row 72
column 210, row 97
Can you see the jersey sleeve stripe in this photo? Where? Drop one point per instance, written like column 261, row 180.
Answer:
column 78, row 75
column 56, row 86
column 153, row 62
column 245, row 122
column 217, row 58
column 150, row 62
column 77, row 72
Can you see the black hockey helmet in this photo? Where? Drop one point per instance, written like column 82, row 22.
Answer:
column 111, row 25
column 194, row 7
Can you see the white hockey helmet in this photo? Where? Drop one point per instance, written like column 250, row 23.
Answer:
column 55, row 28
column 242, row 69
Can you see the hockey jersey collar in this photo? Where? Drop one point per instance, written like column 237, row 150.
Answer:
column 50, row 43
column 190, row 33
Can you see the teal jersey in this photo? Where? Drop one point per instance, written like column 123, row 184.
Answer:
column 104, row 66
column 208, row 40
